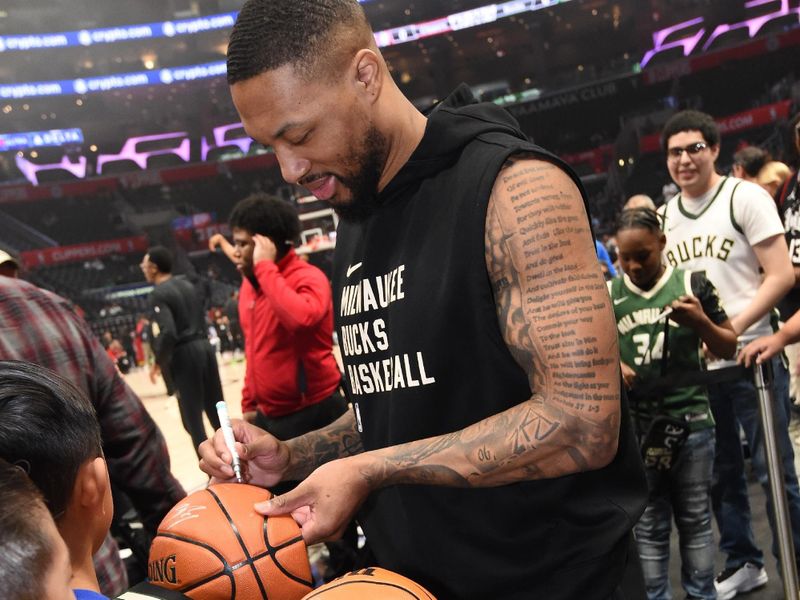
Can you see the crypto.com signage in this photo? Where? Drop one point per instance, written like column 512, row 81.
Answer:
column 693, row 36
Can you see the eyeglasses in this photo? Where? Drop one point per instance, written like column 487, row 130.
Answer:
column 676, row 152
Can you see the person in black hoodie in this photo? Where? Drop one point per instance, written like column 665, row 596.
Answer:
column 489, row 452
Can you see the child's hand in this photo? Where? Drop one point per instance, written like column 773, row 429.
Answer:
column 687, row 311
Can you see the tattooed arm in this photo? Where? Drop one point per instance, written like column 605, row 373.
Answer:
column 267, row 460
column 555, row 314
column 556, row 318
column 309, row 451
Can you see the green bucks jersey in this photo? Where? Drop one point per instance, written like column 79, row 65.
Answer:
column 641, row 341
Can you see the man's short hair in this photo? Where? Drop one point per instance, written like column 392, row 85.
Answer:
column 161, row 258
column 691, row 120
column 269, row 216
column 752, row 159
column 48, row 427
column 26, row 552
column 269, row 34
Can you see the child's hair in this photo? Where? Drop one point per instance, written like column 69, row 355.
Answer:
column 639, row 218
column 48, row 427
column 26, row 552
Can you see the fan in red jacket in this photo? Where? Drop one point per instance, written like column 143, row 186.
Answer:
column 286, row 314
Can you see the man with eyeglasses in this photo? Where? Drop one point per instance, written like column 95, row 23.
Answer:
column 730, row 229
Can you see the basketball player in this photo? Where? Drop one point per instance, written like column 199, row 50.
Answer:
column 653, row 347
column 49, row 428
column 180, row 343
column 488, row 445
column 34, row 560
column 730, row 229
column 44, row 329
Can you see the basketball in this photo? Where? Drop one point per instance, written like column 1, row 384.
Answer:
column 371, row 584
column 213, row 545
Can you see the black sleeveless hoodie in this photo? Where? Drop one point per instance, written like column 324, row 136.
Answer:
column 424, row 356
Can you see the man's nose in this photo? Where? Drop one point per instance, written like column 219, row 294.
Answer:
column 293, row 167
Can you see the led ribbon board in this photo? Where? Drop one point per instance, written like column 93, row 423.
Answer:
column 388, row 37
column 39, row 139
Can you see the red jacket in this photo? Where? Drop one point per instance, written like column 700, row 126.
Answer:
column 288, row 331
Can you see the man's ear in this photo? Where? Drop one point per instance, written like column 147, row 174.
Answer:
column 368, row 72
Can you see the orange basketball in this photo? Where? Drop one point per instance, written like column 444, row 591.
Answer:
column 371, row 584
column 214, row 546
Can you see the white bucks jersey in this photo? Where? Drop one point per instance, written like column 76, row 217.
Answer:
column 712, row 240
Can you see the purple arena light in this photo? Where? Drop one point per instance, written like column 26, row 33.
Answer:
column 130, row 152
column 31, row 170
column 220, row 140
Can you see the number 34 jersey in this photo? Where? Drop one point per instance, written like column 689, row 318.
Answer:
column 641, row 338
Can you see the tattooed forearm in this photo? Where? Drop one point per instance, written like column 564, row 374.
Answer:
column 337, row 440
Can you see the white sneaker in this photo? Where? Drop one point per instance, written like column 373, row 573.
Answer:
column 740, row 579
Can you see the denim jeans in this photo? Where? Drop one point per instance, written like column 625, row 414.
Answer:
column 736, row 403
column 683, row 490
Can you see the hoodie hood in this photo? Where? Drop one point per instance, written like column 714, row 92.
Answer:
column 452, row 124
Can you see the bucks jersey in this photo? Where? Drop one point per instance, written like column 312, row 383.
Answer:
column 641, row 340
column 717, row 235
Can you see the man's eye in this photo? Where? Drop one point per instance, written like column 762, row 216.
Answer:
column 302, row 140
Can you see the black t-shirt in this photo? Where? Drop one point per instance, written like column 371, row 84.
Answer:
column 425, row 356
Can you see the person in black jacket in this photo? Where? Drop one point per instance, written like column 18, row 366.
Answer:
column 183, row 353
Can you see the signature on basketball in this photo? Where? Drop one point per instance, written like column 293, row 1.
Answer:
column 187, row 512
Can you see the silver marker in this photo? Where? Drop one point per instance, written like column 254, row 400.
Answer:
column 230, row 441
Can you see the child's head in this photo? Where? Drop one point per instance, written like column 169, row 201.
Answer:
column 640, row 243
column 49, row 428
column 34, row 560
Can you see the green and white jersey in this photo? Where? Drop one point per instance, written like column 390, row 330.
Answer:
column 716, row 234
column 641, row 341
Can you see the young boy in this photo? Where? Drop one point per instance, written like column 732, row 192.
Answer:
column 34, row 561
column 49, row 429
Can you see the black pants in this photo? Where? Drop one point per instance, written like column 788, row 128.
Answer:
column 195, row 377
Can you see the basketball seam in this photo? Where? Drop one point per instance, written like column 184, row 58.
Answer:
column 226, row 568
column 272, row 551
column 235, row 530
column 384, row 583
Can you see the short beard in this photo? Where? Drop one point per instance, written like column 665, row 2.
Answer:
column 369, row 160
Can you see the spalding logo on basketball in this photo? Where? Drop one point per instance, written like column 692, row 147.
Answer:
column 214, row 546
column 371, row 584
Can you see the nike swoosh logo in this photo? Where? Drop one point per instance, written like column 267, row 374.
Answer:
column 618, row 301
column 353, row 268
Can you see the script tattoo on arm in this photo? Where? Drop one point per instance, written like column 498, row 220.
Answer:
column 555, row 315
column 309, row 451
